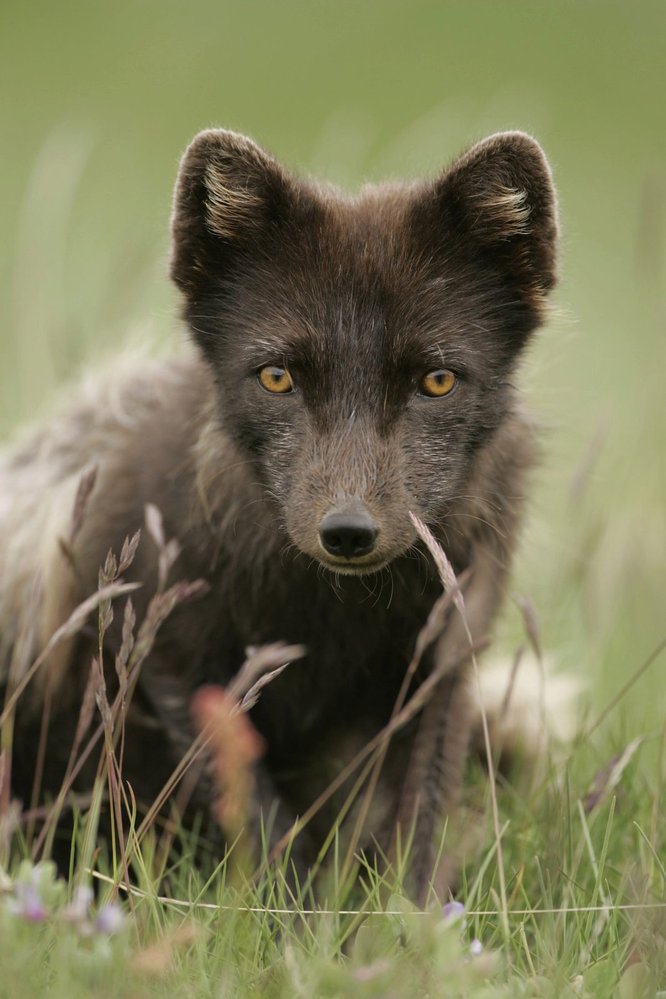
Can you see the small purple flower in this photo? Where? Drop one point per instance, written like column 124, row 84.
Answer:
column 77, row 911
column 110, row 919
column 27, row 904
column 475, row 947
column 453, row 911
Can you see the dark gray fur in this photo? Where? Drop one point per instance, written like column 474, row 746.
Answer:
column 358, row 297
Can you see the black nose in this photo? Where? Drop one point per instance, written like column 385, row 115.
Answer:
column 348, row 534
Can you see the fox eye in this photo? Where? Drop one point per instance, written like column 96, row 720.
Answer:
column 438, row 383
column 276, row 380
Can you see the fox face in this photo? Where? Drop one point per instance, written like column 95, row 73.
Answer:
column 363, row 347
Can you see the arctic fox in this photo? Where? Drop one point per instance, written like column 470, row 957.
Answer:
column 350, row 374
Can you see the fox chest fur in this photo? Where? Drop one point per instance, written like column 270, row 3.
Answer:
column 352, row 369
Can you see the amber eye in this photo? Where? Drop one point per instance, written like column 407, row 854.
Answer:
column 277, row 380
column 438, row 383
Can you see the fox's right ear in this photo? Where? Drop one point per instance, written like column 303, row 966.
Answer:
column 496, row 205
column 228, row 192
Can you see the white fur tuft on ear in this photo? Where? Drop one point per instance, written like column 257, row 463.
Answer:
column 230, row 209
column 504, row 209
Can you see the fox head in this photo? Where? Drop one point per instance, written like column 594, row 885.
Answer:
column 363, row 346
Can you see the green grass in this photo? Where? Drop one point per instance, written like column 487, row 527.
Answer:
column 102, row 103
column 581, row 889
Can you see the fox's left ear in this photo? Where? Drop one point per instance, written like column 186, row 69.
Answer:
column 230, row 193
column 498, row 200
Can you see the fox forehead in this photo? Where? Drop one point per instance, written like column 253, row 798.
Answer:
column 350, row 282
column 306, row 318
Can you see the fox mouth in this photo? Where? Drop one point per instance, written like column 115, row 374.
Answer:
column 353, row 567
column 349, row 541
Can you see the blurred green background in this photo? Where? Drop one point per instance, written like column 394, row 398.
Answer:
column 100, row 99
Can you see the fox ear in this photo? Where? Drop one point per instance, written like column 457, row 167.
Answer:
column 228, row 193
column 499, row 201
